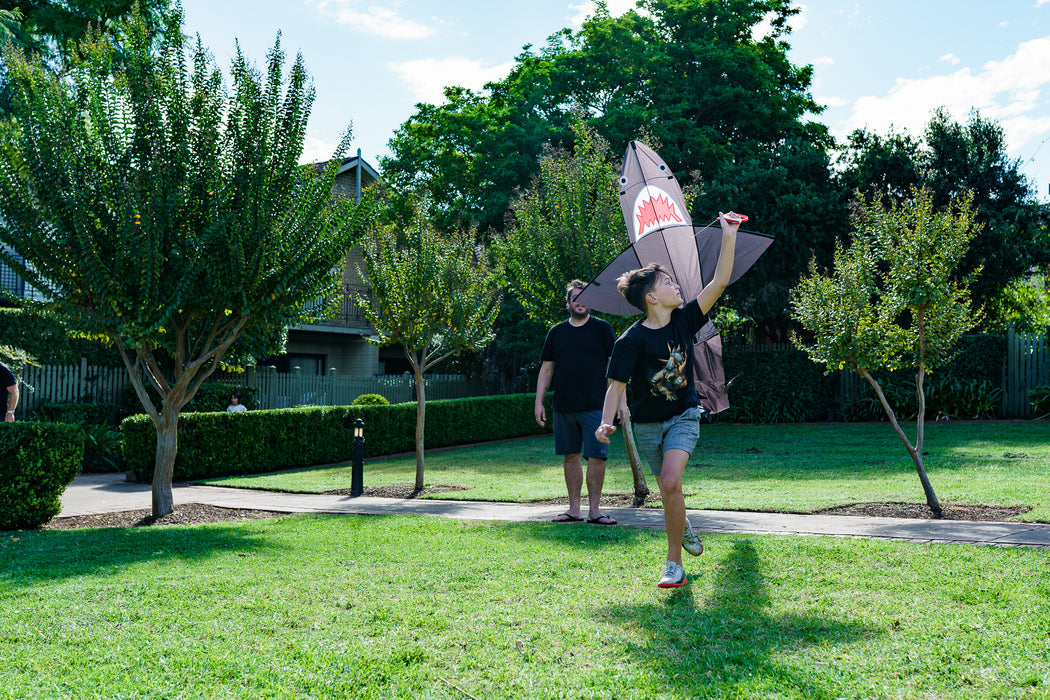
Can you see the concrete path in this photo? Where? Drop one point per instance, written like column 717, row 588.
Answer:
column 106, row 493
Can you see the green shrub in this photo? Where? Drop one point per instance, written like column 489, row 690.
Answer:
column 45, row 337
column 37, row 462
column 370, row 400
column 79, row 413
column 214, row 396
column 1040, row 398
column 782, row 386
column 222, row 444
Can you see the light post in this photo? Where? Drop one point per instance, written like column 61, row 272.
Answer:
column 357, row 472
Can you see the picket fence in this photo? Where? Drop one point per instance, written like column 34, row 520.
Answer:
column 84, row 383
column 1027, row 366
column 285, row 390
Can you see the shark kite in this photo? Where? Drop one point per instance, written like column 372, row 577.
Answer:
column 662, row 231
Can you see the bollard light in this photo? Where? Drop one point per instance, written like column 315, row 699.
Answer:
column 357, row 472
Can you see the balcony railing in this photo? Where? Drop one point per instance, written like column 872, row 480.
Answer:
column 348, row 313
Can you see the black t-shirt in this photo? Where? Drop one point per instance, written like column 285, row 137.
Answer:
column 658, row 363
column 7, row 378
column 580, row 355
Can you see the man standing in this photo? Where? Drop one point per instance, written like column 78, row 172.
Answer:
column 574, row 358
column 10, row 384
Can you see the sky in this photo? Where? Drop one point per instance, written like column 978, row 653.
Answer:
column 878, row 64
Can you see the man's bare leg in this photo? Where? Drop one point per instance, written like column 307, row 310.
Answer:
column 595, row 481
column 573, row 482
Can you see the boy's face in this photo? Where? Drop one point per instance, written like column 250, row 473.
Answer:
column 665, row 292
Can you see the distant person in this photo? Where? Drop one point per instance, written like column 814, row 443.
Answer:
column 235, row 403
column 656, row 356
column 574, row 358
column 7, row 378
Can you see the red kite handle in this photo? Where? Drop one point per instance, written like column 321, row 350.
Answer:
column 734, row 218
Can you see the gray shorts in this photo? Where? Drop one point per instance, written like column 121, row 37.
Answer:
column 573, row 429
column 678, row 433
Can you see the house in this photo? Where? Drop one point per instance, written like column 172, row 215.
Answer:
column 340, row 343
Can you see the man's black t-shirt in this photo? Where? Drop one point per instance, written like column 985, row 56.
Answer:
column 658, row 363
column 580, row 355
column 7, row 380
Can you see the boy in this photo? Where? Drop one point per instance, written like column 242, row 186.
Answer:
column 656, row 356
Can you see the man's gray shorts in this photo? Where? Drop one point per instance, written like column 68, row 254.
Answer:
column 678, row 433
column 573, row 429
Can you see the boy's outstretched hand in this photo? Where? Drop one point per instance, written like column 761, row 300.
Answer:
column 603, row 432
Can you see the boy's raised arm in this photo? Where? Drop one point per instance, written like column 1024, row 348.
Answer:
column 724, row 269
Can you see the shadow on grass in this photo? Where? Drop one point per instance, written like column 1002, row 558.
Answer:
column 30, row 557
column 728, row 646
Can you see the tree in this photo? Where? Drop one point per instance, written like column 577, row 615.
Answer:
column 159, row 210
column 691, row 73
column 567, row 225
column 892, row 301
column 952, row 158
column 432, row 294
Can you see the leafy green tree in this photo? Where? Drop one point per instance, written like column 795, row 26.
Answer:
column 892, row 301
column 433, row 294
column 567, row 225
column 167, row 213
column 691, row 73
column 949, row 159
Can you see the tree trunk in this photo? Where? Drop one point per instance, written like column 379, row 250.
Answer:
column 421, row 412
column 915, row 452
column 164, row 466
column 641, row 489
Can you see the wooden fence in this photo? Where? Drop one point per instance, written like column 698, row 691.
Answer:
column 1027, row 366
column 77, row 383
column 284, row 390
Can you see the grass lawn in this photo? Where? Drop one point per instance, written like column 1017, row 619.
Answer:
column 410, row 607
column 788, row 468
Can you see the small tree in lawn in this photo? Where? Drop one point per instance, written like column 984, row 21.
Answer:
column 167, row 214
column 433, row 294
column 568, row 225
column 893, row 301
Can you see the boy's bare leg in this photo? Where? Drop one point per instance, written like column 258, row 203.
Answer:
column 573, row 482
column 595, row 481
column 674, row 502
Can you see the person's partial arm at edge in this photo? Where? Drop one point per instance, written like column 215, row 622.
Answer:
column 543, row 380
column 614, row 403
column 723, row 270
column 12, row 401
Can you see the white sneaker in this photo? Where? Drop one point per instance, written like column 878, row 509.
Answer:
column 690, row 542
column 673, row 576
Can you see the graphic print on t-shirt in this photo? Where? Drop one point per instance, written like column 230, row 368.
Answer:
column 672, row 377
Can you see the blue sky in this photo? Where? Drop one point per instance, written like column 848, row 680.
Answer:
column 877, row 64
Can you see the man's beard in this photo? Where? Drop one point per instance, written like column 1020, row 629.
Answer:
column 579, row 316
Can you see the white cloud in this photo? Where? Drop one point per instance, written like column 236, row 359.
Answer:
column 1009, row 91
column 823, row 61
column 382, row 21
column 586, row 9
column 316, row 150
column 426, row 78
column 950, row 58
column 1041, row 2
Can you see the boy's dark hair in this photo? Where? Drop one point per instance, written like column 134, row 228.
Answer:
column 236, row 395
column 575, row 284
column 634, row 285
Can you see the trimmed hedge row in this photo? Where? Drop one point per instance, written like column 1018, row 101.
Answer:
column 37, row 462
column 227, row 444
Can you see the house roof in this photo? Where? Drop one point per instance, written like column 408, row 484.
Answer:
column 351, row 163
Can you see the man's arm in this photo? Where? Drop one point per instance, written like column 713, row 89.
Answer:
column 12, row 401
column 613, row 400
column 543, row 380
column 723, row 270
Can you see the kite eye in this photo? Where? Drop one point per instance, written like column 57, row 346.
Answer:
column 623, row 180
column 662, row 167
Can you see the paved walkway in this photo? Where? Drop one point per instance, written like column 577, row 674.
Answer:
column 107, row 493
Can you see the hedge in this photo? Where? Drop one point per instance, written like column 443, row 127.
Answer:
column 37, row 462
column 226, row 444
